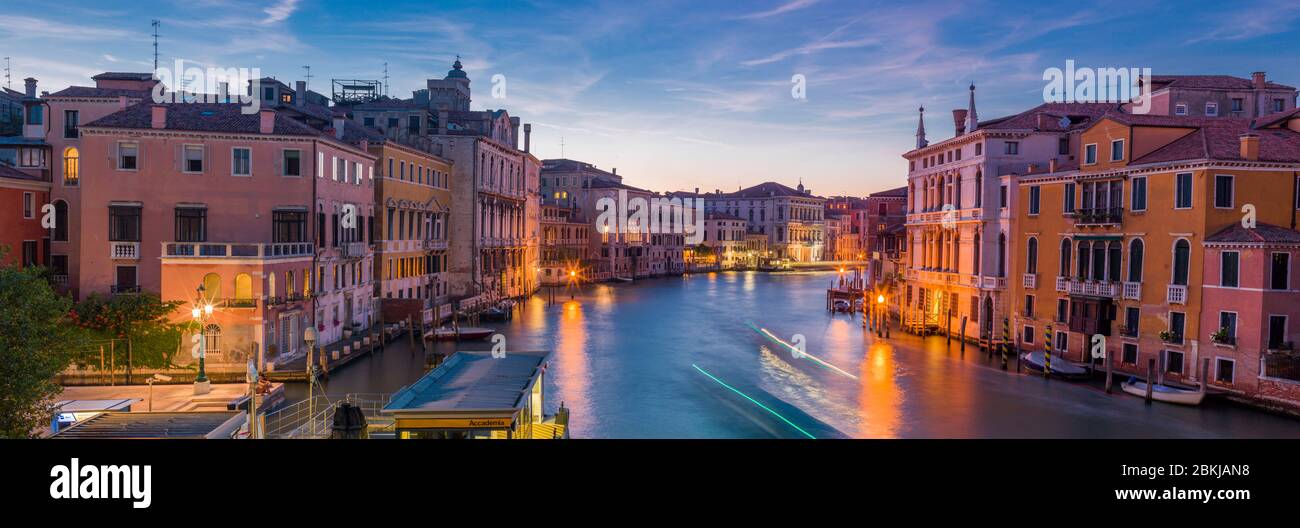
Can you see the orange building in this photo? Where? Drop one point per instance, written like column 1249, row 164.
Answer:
column 1115, row 242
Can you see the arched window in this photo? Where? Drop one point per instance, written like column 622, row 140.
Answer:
column 1002, row 254
column 1066, row 249
column 1112, row 261
column 243, row 286
column 1135, row 260
column 270, row 285
column 60, row 233
column 1085, row 256
column 979, row 188
column 71, row 166
column 977, row 254
column 1182, row 255
column 1032, row 249
column 212, row 339
column 212, row 287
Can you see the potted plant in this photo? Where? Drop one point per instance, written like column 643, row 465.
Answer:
column 1221, row 337
column 1169, row 337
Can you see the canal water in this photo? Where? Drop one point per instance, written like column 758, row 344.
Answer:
column 677, row 358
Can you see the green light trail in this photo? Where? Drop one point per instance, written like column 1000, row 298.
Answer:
column 756, row 402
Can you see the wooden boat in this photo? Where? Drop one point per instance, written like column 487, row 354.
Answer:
column 1163, row 393
column 496, row 314
column 841, row 305
column 623, row 279
column 1060, row 367
column 468, row 333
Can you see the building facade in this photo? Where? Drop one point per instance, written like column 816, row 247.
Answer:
column 792, row 219
column 1142, row 241
column 413, row 201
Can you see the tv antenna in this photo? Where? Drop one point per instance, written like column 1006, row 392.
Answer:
column 308, row 76
column 385, row 79
column 561, row 146
column 155, row 24
column 8, row 81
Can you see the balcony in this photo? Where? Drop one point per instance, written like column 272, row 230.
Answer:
column 1177, row 294
column 218, row 250
column 1062, row 284
column 354, row 250
column 1133, row 290
column 1090, row 288
column 993, row 283
column 1099, row 216
column 124, row 250
column 435, row 245
column 1031, row 281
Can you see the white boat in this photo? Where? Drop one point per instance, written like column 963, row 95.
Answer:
column 1060, row 367
column 623, row 279
column 467, row 333
column 1163, row 393
column 842, row 305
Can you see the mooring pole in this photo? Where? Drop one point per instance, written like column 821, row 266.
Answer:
column 1151, row 366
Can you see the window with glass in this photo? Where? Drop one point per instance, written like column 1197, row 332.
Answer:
column 193, row 155
column 1174, row 361
column 1013, row 147
column 71, row 119
column 1182, row 256
column 1228, row 325
column 128, row 156
column 288, row 226
column 191, row 224
column 1131, row 314
column 1228, row 261
column 1280, row 271
column 1139, row 193
column 1223, row 188
column 124, row 223
column 1090, row 154
column 71, row 166
column 1183, row 190
column 241, row 161
column 1117, row 150
column 292, row 163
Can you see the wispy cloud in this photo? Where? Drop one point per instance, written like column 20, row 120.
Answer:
column 792, row 5
column 280, row 11
column 1245, row 21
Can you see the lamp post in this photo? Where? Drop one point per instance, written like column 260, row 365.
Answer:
column 202, row 313
column 309, row 336
column 881, row 316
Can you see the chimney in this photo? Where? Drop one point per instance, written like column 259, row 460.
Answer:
column 1033, row 167
column 300, row 94
column 528, row 136
column 121, row 102
column 339, row 123
column 30, row 84
column 614, row 171
column 266, row 121
column 959, row 120
column 697, row 190
column 1258, row 78
column 1250, row 147
column 1051, row 165
column 158, row 117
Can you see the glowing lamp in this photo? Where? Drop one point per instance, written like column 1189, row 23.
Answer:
column 880, row 299
column 195, row 312
column 207, row 309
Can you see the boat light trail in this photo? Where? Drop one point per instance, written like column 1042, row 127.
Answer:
column 756, row 402
column 799, row 353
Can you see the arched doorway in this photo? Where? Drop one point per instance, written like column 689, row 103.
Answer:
column 986, row 319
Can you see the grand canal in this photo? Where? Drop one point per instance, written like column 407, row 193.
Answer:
column 676, row 358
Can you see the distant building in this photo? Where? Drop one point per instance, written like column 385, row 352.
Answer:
column 724, row 236
column 564, row 245
column 792, row 219
column 1219, row 96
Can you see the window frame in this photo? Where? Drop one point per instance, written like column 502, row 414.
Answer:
column 1090, row 154
column 1232, row 191
column 185, row 160
column 284, row 162
column 1218, row 364
column 1191, row 190
column 120, row 158
column 1122, row 151
column 1236, row 278
column 1271, row 273
column 234, row 164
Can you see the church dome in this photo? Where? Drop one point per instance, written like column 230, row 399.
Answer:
column 456, row 71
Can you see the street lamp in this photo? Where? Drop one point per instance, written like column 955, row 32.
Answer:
column 202, row 312
column 309, row 337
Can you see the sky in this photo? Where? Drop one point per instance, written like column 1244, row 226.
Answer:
column 680, row 94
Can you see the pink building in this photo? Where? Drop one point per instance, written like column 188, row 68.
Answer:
column 178, row 197
column 1250, row 318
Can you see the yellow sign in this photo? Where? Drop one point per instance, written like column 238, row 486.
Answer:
column 455, row 423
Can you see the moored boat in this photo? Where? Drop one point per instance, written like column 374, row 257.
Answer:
column 1163, row 393
column 1060, row 367
column 468, row 333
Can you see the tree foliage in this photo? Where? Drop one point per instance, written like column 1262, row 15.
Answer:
column 139, row 322
column 35, row 340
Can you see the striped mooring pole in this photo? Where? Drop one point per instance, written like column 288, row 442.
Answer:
column 1006, row 340
column 1047, row 351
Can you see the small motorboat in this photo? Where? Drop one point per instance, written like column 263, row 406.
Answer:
column 841, row 305
column 496, row 314
column 623, row 279
column 1060, row 367
column 1163, row 393
column 468, row 333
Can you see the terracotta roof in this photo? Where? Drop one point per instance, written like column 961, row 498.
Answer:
column 90, row 91
column 202, row 117
column 1217, row 138
column 601, row 183
column 1080, row 114
column 123, row 76
column 1277, row 118
column 391, row 104
column 1215, row 82
column 901, row 191
column 1263, row 233
column 15, row 174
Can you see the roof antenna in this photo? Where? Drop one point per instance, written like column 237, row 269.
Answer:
column 561, row 147
column 8, row 81
column 385, row 79
column 309, row 75
column 155, row 24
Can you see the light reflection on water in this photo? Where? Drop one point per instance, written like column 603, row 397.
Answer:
column 623, row 355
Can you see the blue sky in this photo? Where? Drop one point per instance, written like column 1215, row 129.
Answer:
column 682, row 94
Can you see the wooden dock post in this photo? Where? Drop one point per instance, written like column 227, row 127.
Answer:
column 949, row 330
column 1205, row 373
column 1110, row 371
column 963, row 335
column 1151, row 367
